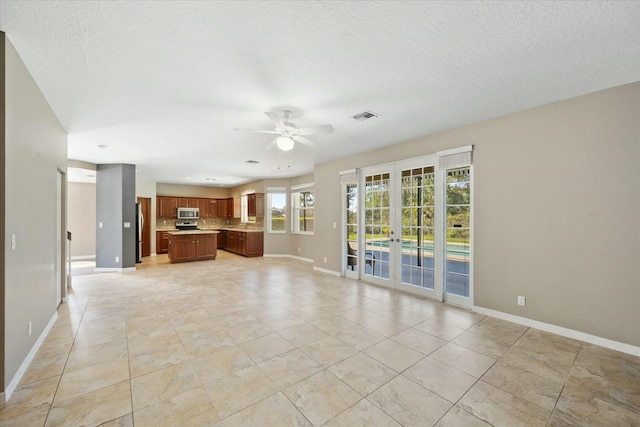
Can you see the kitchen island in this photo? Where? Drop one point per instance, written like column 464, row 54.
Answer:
column 192, row 245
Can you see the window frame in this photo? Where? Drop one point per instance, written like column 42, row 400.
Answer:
column 296, row 190
column 268, row 220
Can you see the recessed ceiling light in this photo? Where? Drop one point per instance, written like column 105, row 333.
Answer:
column 102, row 146
column 210, row 179
column 253, row 162
column 187, row 177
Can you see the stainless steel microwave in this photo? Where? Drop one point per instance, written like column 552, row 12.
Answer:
column 188, row 213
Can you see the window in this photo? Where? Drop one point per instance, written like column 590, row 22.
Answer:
column 276, row 210
column 244, row 208
column 302, row 209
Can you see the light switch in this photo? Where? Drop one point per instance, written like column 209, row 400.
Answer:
column 127, row 225
column 13, row 242
column 100, row 224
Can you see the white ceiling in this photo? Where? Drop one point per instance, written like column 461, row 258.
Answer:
column 163, row 84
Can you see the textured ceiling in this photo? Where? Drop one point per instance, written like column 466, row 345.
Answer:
column 163, row 84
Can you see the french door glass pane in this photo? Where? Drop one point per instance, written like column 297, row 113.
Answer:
column 457, row 223
column 377, row 225
column 352, row 225
column 416, row 262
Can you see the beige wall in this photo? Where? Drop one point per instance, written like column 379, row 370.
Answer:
column 35, row 149
column 81, row 218
column 191, row 191
column 557, row 202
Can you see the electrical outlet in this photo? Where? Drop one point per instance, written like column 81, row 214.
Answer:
column 325, row 260
column 30, row 328
column 521, row 301
column 298, row 250
column 117, row 259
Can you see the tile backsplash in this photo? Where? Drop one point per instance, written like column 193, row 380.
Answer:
column 170, row 223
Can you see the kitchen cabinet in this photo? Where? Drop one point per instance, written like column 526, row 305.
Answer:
column 255, row 205
column 225, row 208
column 162, row 242
column 184, row 202
column 192, row 246
column 203, row 206
column 167, row 207
column 212, row 208
column 245, row 243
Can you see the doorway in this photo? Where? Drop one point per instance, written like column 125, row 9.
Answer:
column 61, row 236
column 414, row 225
column 145, row 210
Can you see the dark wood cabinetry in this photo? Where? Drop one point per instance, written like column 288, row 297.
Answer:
column 167, row 207
column 246, row 243
column 255, row 205
column 203, row 207
column 184, row 202
column 162, row 242
column 192, row 247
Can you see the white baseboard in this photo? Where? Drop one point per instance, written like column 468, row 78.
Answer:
column 324, row 270
column 82, row 257
column 113, row 270
column 559, row 330
column 27, row 360
column 287, row 256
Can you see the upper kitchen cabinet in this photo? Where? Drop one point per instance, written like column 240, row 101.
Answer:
column 255, row 205
column 183, row 202
column 167, row 207
column 203, row 207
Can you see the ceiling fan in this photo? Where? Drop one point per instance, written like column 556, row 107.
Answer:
column 288, row 133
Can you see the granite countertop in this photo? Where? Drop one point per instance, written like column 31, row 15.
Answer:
column 181, row 232
column 235, row 229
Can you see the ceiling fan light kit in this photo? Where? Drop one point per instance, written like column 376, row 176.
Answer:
column 289, row 133
column 285, row 143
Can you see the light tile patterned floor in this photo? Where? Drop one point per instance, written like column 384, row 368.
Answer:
column 269, row 342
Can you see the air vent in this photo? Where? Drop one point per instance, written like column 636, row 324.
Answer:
column 365, row 115
column 252, row 162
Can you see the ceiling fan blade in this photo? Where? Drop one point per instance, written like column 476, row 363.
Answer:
column 275, row 118
column 272, row 144
column 258, row 130
column 305, row 141
column 314, row 130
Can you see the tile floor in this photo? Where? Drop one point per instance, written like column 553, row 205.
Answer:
column 269, row 342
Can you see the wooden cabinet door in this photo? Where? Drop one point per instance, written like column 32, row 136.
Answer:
column 182, row 248
column 162, row 242
column 232, row 241
column 212, row 208
column 255, row 205
column 254, row 244
column 167, row 207
column 251, row 204
column 242, row 243
column 203, row 206
column 185, row 202
column 206, row 246
column 259, row 205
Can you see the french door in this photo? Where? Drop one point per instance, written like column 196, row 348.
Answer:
column 413, row 230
